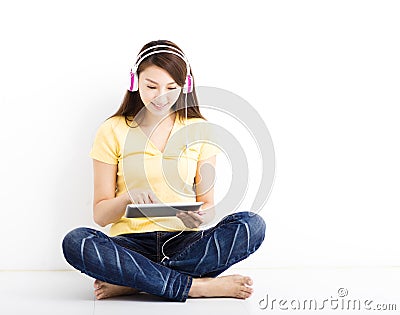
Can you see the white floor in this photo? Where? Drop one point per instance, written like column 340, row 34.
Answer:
column 69, row 292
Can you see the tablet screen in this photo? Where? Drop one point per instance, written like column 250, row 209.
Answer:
column 135, row 210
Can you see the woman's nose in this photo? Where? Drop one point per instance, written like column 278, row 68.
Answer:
column 162, row 95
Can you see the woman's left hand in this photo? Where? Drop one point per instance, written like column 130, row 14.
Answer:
column 191, row 219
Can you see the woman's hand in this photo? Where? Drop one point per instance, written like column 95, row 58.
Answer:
column 142, row 196
column 191, row 219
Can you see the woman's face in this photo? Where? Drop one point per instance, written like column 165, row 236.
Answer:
column 158, row 90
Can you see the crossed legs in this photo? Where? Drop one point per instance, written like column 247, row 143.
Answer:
column 190, row 272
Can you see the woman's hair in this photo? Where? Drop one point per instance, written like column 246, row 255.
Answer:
column 176, row 67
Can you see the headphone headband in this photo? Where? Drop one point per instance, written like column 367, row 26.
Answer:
column 165, row 46
column 188, row 87
column 135, row 67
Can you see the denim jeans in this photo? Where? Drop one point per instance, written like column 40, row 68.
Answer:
column 135, row 260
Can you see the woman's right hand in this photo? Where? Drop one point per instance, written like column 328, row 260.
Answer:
column 142, row 196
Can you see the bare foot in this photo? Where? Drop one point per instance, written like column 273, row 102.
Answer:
column 227, row 286
column 104, row 290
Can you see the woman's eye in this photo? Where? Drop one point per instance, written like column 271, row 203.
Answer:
column 154, row 87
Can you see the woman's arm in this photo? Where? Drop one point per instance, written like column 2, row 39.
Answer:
column 204, row 180
column 106, row 207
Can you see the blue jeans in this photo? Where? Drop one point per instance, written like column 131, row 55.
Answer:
column 135, row 260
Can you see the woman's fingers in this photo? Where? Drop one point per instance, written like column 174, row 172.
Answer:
column 190, row 219
column 143, row 196
column 185, row 219
column 146, row 197
column 153, row 198
column 195, row 216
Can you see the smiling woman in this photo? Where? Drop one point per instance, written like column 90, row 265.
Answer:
column 132, row 153
column 160, row 72
column 158, row 94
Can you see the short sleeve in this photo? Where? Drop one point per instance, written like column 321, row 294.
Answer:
column 105, row 146
column 208, row 150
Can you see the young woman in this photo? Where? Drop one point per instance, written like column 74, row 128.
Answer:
column 128, row 155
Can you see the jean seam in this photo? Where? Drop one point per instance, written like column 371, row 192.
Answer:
column 157, row 247
column 186, row 290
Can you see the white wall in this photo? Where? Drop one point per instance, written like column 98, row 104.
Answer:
column 324, row 75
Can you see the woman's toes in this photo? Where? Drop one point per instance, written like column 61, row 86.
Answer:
column 101, row 294
column 248, row 281
column 242, row 295
column 245, row 292
column 97, row 284
column 248, row 290
column 98, row 294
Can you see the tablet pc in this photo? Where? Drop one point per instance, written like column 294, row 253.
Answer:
column 136, row 210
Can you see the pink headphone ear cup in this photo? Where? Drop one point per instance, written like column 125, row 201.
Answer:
column 188, row 87
column 134, row 82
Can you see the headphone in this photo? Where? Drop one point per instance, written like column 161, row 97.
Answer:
column 187, row 88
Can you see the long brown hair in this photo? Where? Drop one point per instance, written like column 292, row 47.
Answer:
column 176, row 67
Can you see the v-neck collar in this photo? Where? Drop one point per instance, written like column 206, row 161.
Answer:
column 169, row 136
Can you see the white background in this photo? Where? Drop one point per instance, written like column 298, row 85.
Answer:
column 324, row 75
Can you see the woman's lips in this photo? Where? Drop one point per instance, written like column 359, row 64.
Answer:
column 158, row 106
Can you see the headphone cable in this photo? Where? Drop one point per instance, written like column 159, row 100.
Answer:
column 162, row 247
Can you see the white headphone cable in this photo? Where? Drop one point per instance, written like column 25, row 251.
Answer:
column 187, row 171
column 162, row 247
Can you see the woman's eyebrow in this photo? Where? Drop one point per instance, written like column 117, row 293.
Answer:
column 156, row 82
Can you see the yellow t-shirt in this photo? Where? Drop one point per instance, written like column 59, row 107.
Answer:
column 169, row 174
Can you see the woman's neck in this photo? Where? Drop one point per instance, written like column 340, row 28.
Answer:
column 151, row 120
